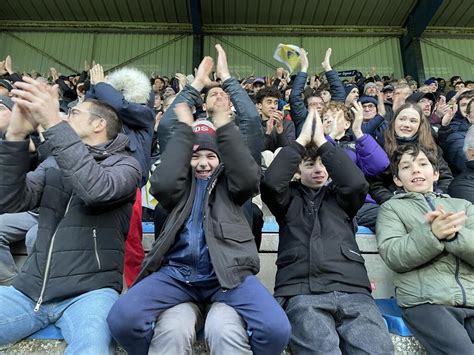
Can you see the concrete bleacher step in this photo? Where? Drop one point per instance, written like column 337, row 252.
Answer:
column 380, row 277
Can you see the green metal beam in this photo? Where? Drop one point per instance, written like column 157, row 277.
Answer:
column 144, row 54
column 108, row 27
column 42, row 52
column 250, row 54
column 449, row 51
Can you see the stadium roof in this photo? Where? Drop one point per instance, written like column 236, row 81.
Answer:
column 232, row 15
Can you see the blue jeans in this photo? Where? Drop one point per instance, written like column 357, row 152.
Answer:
column 82, row 319
column 335, row 322
column 133, row 316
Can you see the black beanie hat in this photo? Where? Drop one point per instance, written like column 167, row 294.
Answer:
column 206, row 138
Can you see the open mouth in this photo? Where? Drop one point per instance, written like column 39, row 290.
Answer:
column 417, row 180
column 203, row 173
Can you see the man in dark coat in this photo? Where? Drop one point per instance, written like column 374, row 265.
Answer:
column 85, row 195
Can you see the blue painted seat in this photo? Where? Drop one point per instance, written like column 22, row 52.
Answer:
column 393, row 316
column 270, row 225
column 50, row 332
column 364, row 230
column 148, row 227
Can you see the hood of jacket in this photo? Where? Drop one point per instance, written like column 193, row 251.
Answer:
column 132, row 83
column 102, row 151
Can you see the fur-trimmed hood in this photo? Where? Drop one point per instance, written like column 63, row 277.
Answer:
column 133, row 83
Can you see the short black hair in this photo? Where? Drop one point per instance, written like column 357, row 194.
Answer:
column 109, row 114
column 413, row 150
column 206, row 92
column 453, row 79
column 311, row 152
column 267, row 91
column 466, row 94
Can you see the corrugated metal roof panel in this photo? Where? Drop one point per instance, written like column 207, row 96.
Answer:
column 173, row 53
column 254, row 54
column 162, row 11
column 361, row 53
column 389, row 13
column 454, row 13
column 445, row 57
column 307, row 12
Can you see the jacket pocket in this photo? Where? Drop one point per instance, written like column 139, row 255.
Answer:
column 236, row 232
column 287, row 257
column 352, row 254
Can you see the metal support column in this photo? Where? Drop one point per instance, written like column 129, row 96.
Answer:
column 198, row 38
column 410, row 44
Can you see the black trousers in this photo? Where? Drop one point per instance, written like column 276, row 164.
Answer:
column 442, row 329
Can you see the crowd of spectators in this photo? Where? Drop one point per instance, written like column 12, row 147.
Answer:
column 360, row 126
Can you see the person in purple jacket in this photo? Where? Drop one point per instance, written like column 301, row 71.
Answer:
column 361, row 147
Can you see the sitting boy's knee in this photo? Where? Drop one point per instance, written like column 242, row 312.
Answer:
column 121, row 321
column 277, row 331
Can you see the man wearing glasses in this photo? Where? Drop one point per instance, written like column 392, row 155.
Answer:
column 85, row 195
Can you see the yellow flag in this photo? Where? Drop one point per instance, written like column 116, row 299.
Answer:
column 289, row 55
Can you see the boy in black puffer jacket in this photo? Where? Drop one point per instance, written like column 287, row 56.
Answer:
column 321, row 279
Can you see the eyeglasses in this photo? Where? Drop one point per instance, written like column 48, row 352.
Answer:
column 75, row 111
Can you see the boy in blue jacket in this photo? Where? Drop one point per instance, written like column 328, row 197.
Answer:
column 206, row 251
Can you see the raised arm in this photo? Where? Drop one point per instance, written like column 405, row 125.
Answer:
column 298, row 110
column 337, row 89
column 249, row 119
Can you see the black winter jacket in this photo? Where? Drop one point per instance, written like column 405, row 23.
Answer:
column 317, row 250
column 85, row 195
column 228, row 236
column 463, row 185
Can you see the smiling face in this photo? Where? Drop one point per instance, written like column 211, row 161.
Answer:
column 268, row 106
column 416, row 174
column 313, row 173
column 204, row 163
column 407, row 123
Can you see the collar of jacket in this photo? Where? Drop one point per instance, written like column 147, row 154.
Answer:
column 213, row 178
column 403, row 194
column 102, row 151
column 402, row 140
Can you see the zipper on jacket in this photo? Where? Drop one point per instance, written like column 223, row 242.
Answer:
column 94, row 235
column 456, row 276
column 48, row 262
column 353, row 252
